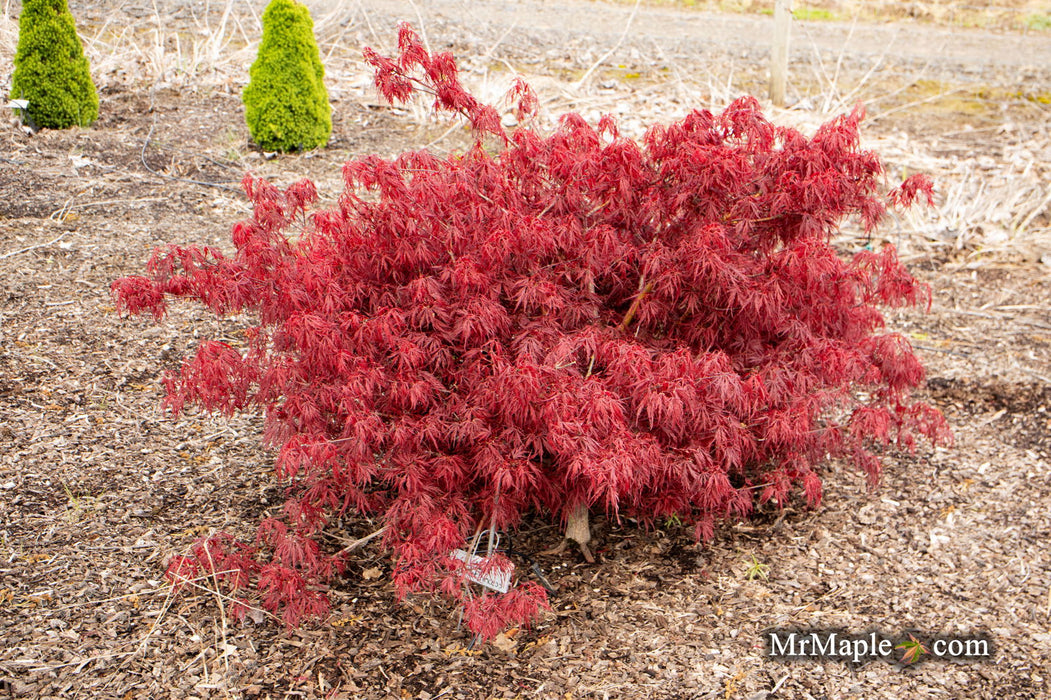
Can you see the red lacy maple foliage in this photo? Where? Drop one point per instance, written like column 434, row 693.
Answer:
column 652, row 329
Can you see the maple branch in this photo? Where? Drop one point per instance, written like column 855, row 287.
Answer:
column 363, row 541
column 633, row 309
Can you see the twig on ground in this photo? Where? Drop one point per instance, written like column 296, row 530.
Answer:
column 587, row 74
column 107, row 202
column 423, row 27
column 914, row 103
column 839, row 63
column 492, row 49
column 82, row 662
column 54, row 240
column 1034, row 213
column 222, row 611
column 368, row 23
column 142, row 157
column 119, row 597
column 844, row 101
column 364, row 540
column 1036, row 375
column 444, row 135
column 227, row 598
column 928, row 348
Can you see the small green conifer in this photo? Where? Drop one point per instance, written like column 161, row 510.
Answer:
column 51, row 72
column 286, row 103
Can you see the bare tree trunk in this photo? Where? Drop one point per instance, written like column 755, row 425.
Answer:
column 578, row 530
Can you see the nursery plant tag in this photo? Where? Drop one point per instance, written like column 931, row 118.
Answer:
column 18, row 104
column 481, row 572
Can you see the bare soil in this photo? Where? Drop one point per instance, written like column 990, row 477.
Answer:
column 98, row 488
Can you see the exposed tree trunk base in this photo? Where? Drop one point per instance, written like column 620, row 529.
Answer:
column 561, row 547
column 578, row 530
column 557, row 549
column 588, row 557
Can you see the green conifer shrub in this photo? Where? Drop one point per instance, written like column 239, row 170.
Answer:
column 51, row 71
column 286, row 104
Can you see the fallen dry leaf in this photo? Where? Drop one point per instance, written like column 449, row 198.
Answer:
column 504, row 643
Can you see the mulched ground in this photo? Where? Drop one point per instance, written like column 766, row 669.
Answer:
column 98, row 488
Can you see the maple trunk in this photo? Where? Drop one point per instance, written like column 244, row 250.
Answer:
column 577, row 528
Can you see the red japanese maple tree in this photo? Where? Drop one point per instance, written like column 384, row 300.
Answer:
column 548, row 323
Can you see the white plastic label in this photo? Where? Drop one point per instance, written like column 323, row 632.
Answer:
column 481, row 572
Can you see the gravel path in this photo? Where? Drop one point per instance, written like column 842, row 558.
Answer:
column 697, row 35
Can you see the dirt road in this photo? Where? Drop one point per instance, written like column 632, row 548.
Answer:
column 693, row 35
